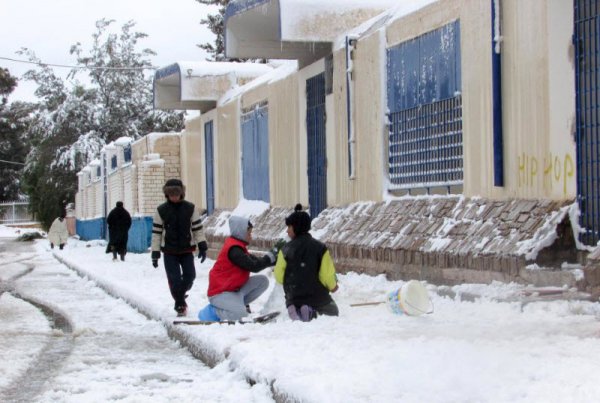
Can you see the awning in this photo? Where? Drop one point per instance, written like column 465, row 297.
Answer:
column 302, row 30
column 199, row 85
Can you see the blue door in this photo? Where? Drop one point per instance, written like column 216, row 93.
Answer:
column 317, row 148
column 587, row 103
column 255, row 154
column 209, row 165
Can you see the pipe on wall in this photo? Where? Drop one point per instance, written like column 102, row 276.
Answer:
column 350, row 46
column 497, row 94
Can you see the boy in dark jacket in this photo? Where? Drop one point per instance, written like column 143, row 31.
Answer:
column 305, row 268
column 176, row 230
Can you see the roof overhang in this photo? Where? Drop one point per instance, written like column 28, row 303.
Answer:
column 302, row 30
column 199, row 85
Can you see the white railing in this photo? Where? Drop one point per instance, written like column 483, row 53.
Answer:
column 12, row 212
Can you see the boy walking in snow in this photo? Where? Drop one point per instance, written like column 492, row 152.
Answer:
column 176, row 230
column 305, row 268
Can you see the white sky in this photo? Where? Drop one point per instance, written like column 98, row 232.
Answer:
column 50, row 28
column 491, row 349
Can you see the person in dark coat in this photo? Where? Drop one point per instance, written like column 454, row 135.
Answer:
column 305, row 268
column 119, row 222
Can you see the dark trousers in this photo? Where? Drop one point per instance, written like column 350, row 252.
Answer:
column 331, row 309
column 180, row 274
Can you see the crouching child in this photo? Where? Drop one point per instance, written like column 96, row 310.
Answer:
column 306, row 270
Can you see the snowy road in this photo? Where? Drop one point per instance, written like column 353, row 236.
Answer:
column 68, row 341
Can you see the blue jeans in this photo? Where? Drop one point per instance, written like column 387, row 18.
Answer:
column 180, row 274
column 232, row 305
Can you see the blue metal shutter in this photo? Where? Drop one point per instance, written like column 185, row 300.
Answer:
column 587, row 59
column 317, row 147
column 255, row 154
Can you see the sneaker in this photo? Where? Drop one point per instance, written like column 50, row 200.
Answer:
column 293, row 312
column 181, row 311
column 306, row 313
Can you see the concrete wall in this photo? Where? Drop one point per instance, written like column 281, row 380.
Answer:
column 227, row 154
column 138, row 184
column 367, row 120
column 284, row 143
column 538, row 93
column 192, row 161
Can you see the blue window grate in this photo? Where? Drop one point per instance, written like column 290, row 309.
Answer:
column 425, row 117
column 425, row 145
column 587, row 64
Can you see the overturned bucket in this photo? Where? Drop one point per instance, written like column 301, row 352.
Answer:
column 410, row 299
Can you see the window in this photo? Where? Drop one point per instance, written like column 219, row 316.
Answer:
column 113, row 162
column 425, row 148
column 127, row 153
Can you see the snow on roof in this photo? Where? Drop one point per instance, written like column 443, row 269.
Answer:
column 152, row 160
column 95, row 162
column 401, row 9
column 153, row 137
column 197, row 85
column 285, row 69
column 301, row 17
column 202, row 69
column 293, row 29
column 123, row 141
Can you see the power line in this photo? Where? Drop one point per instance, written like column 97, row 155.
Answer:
column 77, row 67
column 12, row 162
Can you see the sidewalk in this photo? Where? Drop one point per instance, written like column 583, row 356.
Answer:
column 480, row 350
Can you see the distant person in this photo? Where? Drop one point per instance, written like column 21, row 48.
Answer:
column 231, row 288
column 119, row 222
column 58, row 233
column 176, row 231
column 306, row 270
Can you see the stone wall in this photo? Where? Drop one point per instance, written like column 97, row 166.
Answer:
column 151, row 178
column 130, row 188
column 444, row 240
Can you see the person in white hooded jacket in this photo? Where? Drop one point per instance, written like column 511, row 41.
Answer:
column 58, row 233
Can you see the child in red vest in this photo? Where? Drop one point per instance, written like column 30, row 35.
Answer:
column 231, row 288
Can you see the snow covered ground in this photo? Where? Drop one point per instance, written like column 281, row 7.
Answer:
column 498, row 347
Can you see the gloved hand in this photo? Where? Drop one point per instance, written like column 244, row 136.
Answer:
column 271, row 256
column 278, row 245
column 202, row 248
column 155, row 257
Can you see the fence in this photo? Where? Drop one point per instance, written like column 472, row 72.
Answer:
column 15, row 212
